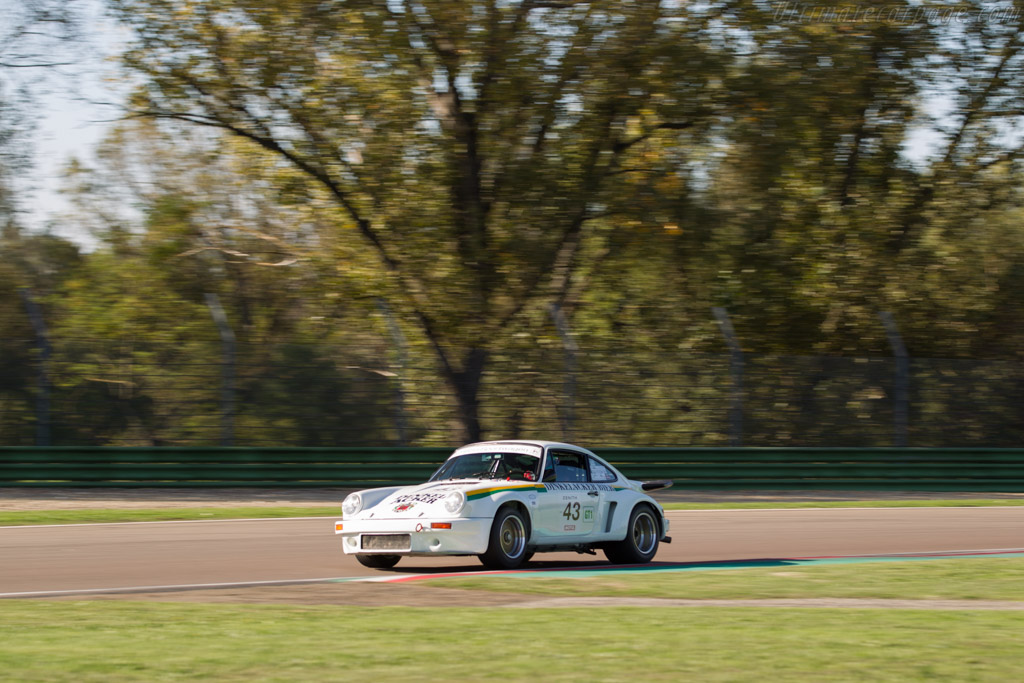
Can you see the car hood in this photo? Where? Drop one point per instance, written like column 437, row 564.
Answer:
column 426, row 499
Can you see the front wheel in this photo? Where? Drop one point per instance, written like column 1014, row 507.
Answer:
column 641, row 541
column 378, row 561
column 507, row 547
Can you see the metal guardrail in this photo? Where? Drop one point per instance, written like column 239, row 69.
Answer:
column 217, row 466
column 946, row 469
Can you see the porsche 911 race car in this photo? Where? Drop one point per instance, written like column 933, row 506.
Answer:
column 504, row 501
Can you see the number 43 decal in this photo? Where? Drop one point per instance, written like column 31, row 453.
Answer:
column 571, row 511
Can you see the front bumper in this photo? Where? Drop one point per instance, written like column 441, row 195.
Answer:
column 465, row 537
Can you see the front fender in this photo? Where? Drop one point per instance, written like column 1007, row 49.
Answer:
column 487, row 503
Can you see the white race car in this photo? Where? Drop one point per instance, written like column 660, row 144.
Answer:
column 505, row 501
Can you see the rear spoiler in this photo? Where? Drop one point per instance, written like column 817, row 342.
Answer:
column 655, row 485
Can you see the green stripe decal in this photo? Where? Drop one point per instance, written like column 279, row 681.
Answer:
column 484, row 493
column 529, row 488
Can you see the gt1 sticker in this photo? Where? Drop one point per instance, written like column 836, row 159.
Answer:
column 572, row 512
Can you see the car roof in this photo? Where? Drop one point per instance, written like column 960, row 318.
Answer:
column 530, row 442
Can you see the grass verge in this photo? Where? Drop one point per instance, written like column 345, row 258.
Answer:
column 124, row 641
column 975, row 578
column 29, row 517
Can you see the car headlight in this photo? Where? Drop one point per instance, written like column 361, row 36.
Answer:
column 454, row 502
column 353, row 504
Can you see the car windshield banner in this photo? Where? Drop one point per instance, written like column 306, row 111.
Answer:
column 525, row 449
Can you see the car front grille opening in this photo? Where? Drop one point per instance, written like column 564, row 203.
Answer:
column 387, row 542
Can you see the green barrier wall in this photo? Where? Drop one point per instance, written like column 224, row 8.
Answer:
column 949, row 469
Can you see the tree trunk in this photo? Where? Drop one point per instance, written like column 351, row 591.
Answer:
column 466, row 383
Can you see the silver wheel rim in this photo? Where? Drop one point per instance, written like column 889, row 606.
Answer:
column 645, row 533
column 512, row 536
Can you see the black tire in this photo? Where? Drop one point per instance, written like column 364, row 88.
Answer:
column 378, row 561
column 641, row 542
column 507, row 547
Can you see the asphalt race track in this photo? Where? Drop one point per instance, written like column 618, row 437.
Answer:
column 114, row 557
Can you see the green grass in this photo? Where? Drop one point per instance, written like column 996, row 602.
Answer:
column 123, row 641
column 973, row 503
column 8, row 518
column 15, row 518
column 975, row 578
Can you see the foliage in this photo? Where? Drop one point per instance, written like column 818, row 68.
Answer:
column 412, row 188
column 31, row 268
column 470, row 146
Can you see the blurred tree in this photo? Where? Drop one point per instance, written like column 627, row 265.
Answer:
column 853, row 166
column 813, row 202
column 184, row 212
column 29, row 29
column 470, row 145
column 635, row 163
column 38, row 264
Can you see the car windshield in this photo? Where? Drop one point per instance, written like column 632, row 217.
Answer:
column 495, row 465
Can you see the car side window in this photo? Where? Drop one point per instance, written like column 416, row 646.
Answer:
column 600, row 473
column 569, row 466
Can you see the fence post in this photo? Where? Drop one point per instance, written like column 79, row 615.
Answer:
column 227, row 340
column 901, row 381
column 398, row 340
column 571, row 350
column 735, row 376
column 43, row 387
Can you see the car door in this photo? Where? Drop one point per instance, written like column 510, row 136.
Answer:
column 569, row 507
column 606, row 493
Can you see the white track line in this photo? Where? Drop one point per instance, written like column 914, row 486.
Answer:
column 173, row 587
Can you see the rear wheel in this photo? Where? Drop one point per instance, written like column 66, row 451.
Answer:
column 641, row 541
column 507, row 547
column 378, row 561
